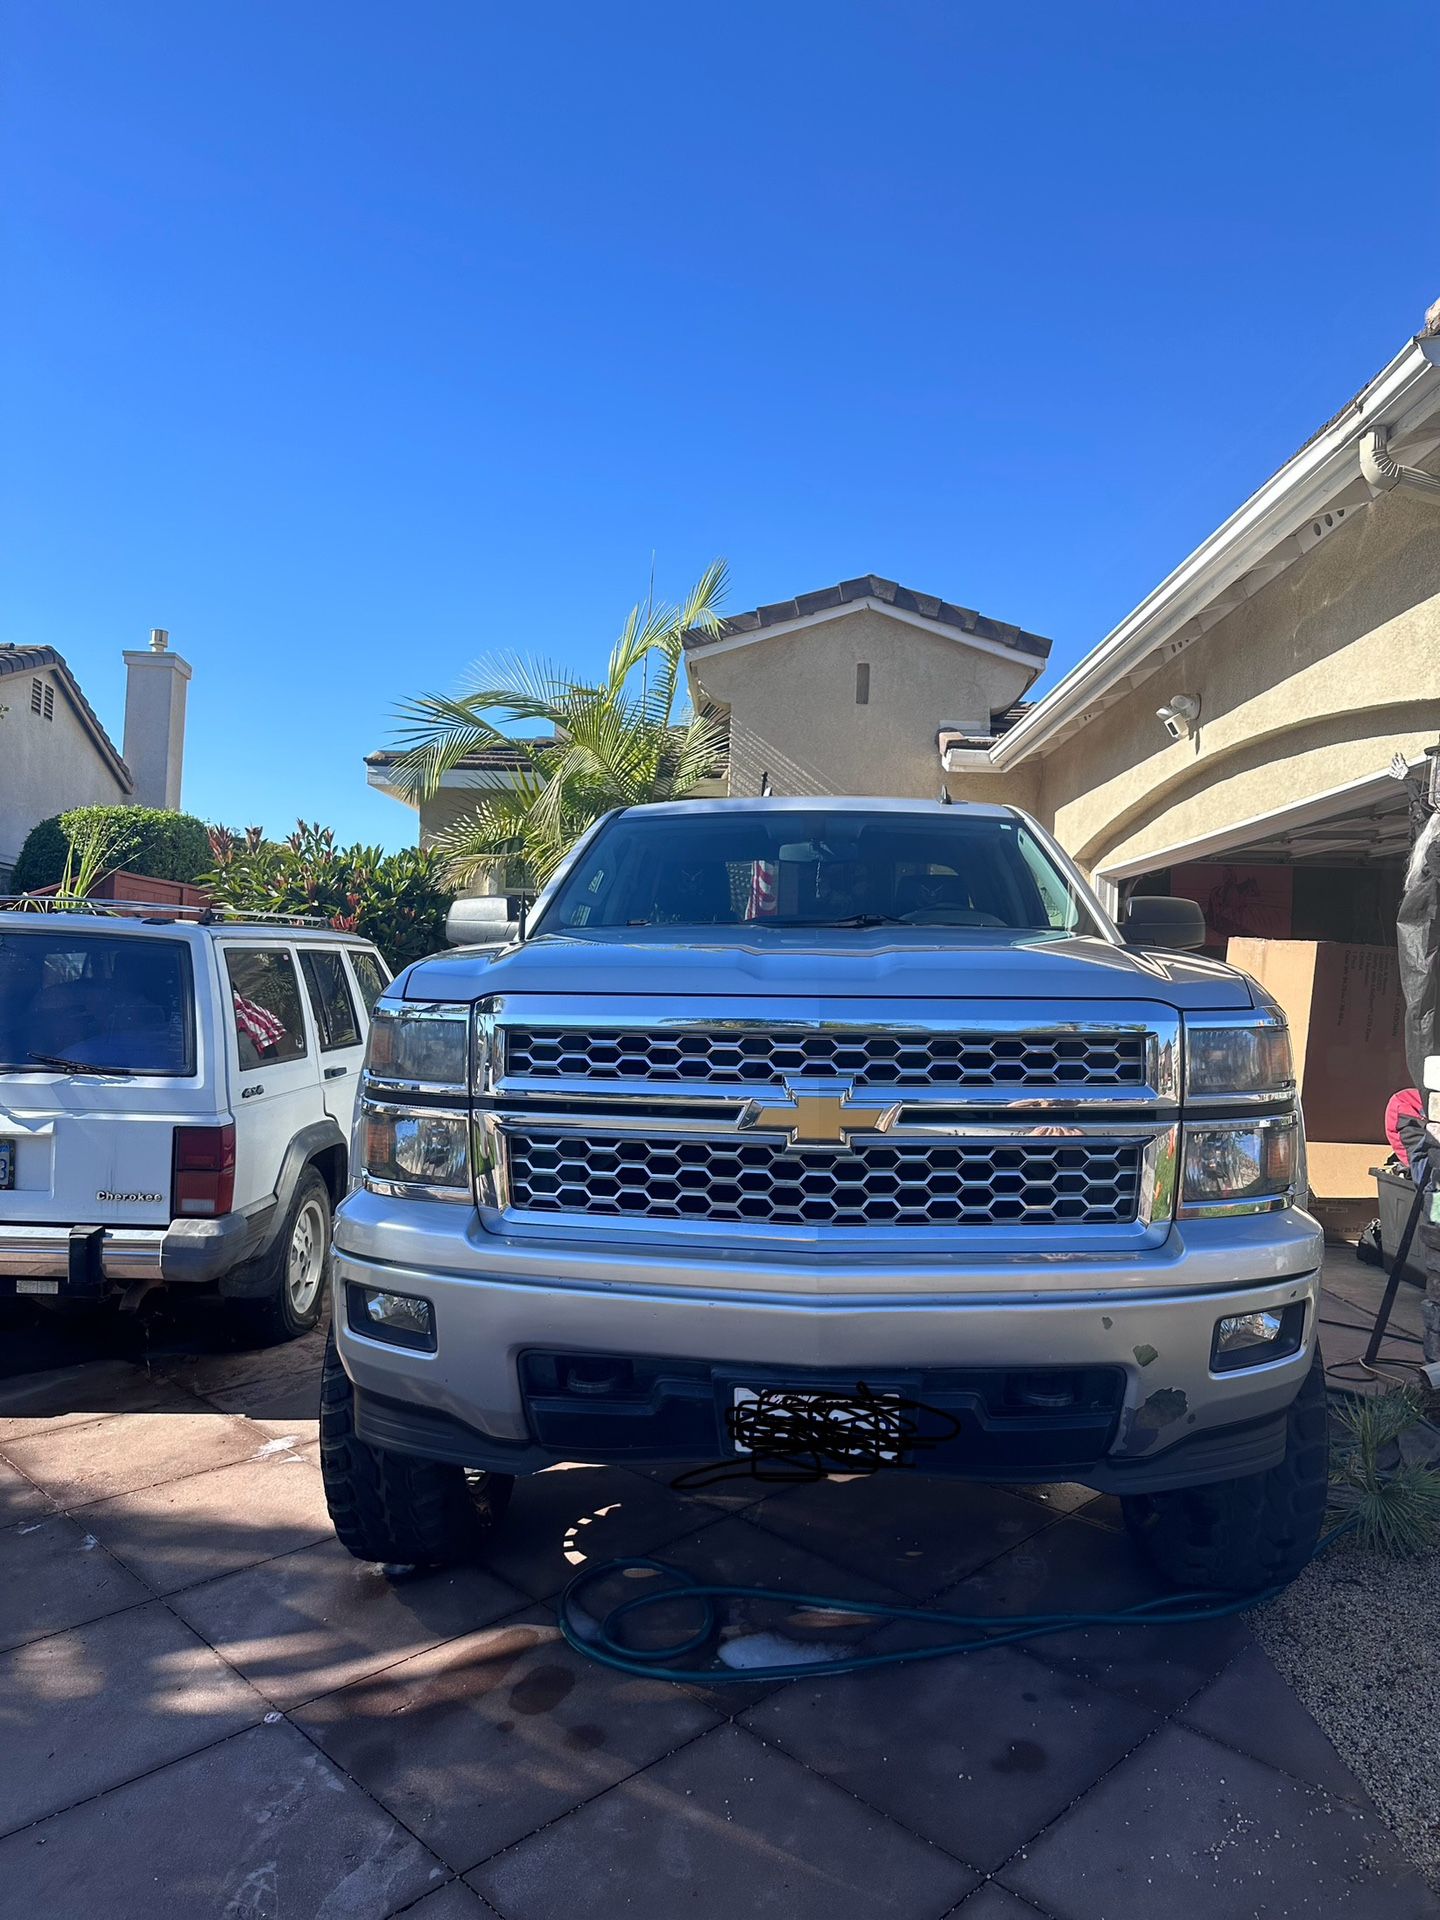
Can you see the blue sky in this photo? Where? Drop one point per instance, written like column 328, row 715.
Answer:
column 350, row 341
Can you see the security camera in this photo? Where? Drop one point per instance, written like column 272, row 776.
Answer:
column 1178, row 716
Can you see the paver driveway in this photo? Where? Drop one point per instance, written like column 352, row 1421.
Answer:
column 207, row 1708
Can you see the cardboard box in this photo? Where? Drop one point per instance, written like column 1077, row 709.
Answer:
column 1347, row 1017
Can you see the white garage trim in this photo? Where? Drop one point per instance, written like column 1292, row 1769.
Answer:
column 1367, row 791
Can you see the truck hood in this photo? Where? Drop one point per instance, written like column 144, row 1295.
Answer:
column 811, row 963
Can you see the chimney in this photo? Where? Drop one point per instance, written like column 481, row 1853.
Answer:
column 156, row 683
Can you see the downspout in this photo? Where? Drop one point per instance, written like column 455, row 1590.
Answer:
column 1384, row 474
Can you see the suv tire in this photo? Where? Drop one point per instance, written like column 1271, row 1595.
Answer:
column 1242, row 1536
column 394, row 1507
column 294, row 1275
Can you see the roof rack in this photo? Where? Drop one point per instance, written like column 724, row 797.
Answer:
column 203, row 916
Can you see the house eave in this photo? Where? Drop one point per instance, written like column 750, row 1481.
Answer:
column 1274, row 527
column 1034, row 666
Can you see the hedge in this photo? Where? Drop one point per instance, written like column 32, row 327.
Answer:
column 166, row 846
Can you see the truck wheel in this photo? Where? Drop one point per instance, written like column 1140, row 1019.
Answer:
column 1244, row 1535
column 393, row 1507
column 290, row 1294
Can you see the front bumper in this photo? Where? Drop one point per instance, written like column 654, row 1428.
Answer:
column 1148, row 1319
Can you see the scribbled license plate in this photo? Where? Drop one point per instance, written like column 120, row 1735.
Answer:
column 866, row 1428
column 7, row 1165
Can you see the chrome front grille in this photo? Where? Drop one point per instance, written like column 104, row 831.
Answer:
column 770, row 1056
column 881, row 1183
column 929, row 1123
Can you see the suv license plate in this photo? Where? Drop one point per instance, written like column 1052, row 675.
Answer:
column 863, row 1427
column 7, row 1165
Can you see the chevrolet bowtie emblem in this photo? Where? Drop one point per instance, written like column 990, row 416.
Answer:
column 818, row 1116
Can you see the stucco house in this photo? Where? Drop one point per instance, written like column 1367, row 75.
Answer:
column 55, row 752
column 1246, row 715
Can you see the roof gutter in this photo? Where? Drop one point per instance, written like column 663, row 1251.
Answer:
column 1397, row 402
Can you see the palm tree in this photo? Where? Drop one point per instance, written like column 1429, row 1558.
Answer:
column 617, row 744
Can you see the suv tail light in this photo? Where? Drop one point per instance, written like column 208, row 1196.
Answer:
column 204, row 1171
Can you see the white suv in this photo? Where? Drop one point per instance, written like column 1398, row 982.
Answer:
column 176, row 1102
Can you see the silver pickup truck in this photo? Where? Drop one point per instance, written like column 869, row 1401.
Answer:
column 844, row 1129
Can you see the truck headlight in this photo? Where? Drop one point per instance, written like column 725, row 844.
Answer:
column 419, row 1046
column 1250, row 1168
column 1248, row 1057
column 415, row 1149
column 412, row 1128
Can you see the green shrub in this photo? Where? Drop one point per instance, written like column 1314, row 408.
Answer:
column 398, row 900
column 149, row 840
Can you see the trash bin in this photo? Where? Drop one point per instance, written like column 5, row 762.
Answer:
column 1396, row 1196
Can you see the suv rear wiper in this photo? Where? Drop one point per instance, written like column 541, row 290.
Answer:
column 77, row 1066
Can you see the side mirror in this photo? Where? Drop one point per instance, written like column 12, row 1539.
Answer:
column 1156, row 920
column 480, row 920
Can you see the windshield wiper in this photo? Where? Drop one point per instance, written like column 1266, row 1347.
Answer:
column 77, row 1066
column 856, row 920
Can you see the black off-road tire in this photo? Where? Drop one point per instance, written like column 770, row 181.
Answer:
column 1242, row 1536
column 393, row 1507
column 273, row 1312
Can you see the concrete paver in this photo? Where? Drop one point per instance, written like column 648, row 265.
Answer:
column 887, row 1526
column 178, row 1534
column 77, row 1464
column 976, row 1754
column 559, row 1519
column 316, row 1619
column 724, row 1826
column 54, row 1575
column 1186, row 1827
column 1075, row 1566
column 88, row 1709
column 258, row 1826
column 476, row 1744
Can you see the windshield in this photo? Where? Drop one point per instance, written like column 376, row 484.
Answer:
column 827, row 868
column 107, row 1002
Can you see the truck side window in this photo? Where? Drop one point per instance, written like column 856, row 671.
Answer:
column 265, row 1000
column 368, row 977
column 330, row 1000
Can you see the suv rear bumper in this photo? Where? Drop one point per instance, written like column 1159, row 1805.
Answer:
column 1150, row 1323
column 80, row 1262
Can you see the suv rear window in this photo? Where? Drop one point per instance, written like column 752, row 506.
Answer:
column 114, row 1002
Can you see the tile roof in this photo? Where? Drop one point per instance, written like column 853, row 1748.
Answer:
column 871, row 586
column 17, row 659
column 488, row 759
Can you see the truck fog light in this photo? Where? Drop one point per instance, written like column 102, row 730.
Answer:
column 1250, row 1339
column 403, row 1319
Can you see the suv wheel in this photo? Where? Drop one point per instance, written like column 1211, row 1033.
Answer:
column 291, row 1294
column 393, row 1507
column 1245, row 1535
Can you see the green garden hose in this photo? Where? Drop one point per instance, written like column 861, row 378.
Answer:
column 601, row 1641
